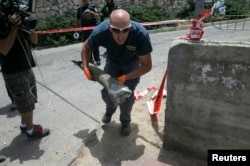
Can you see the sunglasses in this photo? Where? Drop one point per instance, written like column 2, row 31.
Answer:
column 120, row 30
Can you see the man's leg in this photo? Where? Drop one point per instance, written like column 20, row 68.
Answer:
column 27, row 118
column 9, row 92
column 110, row 107
column 96, row 54
column 23, row 86
column 126, row 108
column 13, row 105
column 113, row 70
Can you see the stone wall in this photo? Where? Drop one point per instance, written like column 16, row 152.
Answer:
column 43, row 8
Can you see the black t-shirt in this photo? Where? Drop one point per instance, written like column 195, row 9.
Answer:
column 86, row 18
column 18, row 58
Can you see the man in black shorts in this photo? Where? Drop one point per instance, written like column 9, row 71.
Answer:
column 16, row 62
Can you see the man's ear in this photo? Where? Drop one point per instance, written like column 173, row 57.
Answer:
column 110, row 28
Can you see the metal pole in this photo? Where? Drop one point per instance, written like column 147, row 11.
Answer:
column 199, row 7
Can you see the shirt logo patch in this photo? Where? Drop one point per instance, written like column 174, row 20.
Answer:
column 131, row 48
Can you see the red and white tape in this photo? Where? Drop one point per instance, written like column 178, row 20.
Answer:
column 65, row 30
column 150, row 102
column 154, row 102
column 92, row 27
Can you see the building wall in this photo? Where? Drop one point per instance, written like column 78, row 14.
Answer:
column 43, row 8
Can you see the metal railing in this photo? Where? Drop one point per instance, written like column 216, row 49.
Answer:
column 236, row 17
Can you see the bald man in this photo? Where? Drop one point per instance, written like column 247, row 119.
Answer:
column 128, row 57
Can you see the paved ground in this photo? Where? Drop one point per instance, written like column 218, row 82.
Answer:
column 72, row 108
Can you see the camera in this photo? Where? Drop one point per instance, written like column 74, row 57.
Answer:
column 20, row 7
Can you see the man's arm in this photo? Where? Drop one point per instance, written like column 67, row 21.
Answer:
column 93, row 12
column 96, row 15
column 33, row 37
column 85, row 54
column 146, row 65
column 77, row 23
column 7, row 43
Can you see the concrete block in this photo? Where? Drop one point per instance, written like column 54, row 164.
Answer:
column 208, row 105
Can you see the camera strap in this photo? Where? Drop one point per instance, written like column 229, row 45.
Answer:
column 26, row 46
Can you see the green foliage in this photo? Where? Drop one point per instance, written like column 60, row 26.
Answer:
column 145, row 14
column 56, row 22
column 236, row 9
column 187, row 12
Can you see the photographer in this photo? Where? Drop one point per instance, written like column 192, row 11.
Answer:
column 87, row 16
column 17, row 61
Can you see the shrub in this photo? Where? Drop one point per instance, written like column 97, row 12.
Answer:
column 236, row 9
column 145, row 14
column 56, row 22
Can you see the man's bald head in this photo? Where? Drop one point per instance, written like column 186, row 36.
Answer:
column 120, row 18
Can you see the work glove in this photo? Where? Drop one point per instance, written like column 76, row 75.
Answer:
column 121, row 79
column 87, row 74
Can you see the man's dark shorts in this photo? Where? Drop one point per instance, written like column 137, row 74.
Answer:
column 23, row 88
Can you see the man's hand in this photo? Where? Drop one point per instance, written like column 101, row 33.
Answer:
column 15, row 19
column 122, row 79
column 88, row 74
column 87, row 10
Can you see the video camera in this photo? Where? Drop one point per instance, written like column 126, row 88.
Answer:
column 9, row 7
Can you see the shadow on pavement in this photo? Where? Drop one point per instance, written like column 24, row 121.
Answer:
column 6, row 110
column 22, row 149
column 111, row 148
column 155, row 125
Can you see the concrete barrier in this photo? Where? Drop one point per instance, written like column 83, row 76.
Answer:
column 208, row 103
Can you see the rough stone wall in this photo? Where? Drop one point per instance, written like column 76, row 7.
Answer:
column 43, row 8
